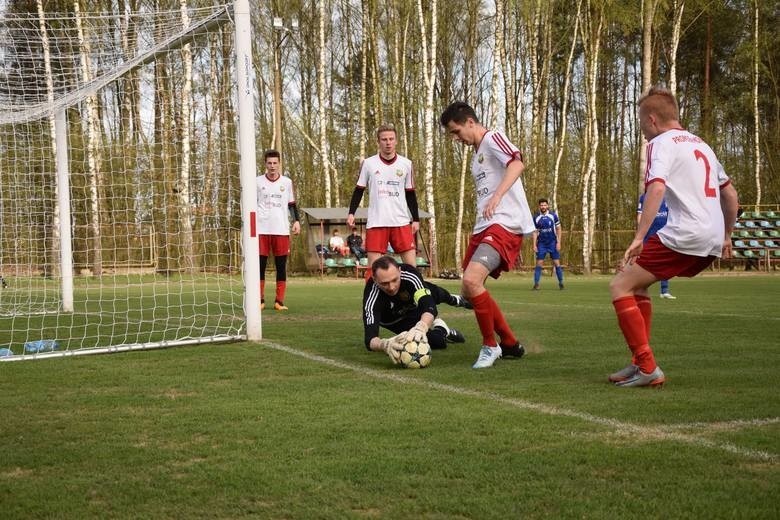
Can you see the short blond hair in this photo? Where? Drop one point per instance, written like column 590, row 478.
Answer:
column 386, row 127
column 660, row 102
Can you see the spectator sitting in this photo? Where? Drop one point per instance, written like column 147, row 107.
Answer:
column 337, row 245
column 355, row 243
column 322, row 251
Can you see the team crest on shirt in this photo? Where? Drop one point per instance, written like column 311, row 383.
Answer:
column 404, row 296
column 376, row 172
column 399, row 173
column 480, row 158
column 281, row 188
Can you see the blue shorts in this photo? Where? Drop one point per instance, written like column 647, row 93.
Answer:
column 542, row 251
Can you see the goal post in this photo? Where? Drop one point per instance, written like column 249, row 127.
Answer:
column 127, row 180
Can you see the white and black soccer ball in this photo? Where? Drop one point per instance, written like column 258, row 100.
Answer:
column 415, row 355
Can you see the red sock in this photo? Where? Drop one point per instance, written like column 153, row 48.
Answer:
column 645, row 305
column 483, row 310
column 262, row 290
column 280, row 289
column 505, row 334
column 632, row 324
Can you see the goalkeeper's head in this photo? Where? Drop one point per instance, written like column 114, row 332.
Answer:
column 387, row 274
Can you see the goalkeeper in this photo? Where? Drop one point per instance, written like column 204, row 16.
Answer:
column 398, row 299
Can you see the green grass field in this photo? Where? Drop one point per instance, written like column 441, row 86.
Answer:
column 308, row 424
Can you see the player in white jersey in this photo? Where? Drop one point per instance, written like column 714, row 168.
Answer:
column 503, row 217
column 702, row 210
column 392, row 202
column 275, row 198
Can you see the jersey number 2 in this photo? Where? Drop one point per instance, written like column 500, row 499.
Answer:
column 709, row 191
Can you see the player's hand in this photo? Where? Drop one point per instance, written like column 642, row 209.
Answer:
column 392, row 347
column 633, row 252
column 726, row 251
column 350, row 220
column 296, row 228
column 415, row 227
column 417, row 333
column 490, row 207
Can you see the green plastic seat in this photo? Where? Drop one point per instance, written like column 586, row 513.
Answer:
column 744, row 234
column 349, row 262
column 774, row 233
column 776, row 253
column 364, row 261
column 330, row 262
column 749, row 254
column 760, row 234
column 422, row 262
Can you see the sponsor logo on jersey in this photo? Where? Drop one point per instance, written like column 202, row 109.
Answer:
column 489, row 238
column 393, row 183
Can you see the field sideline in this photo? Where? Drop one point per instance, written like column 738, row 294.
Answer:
column 307, row 424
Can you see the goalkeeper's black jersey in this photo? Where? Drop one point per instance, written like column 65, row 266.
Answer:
column 401, row 311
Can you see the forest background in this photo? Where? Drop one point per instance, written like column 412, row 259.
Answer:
column 561, row 78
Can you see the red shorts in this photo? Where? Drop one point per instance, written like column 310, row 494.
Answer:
column 277, row 245
column 664, row 263
column 506, row 244
column 400, row 239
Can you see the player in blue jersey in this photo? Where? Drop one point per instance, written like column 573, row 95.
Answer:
column 547, row 240
column 658, row 223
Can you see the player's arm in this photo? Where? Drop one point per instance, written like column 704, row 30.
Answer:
column 534, row 239
column 357, row 196
column 513, row 172
column 654, row 195
column 293, row 208
column 558, row 237
column 729, row 205
column 411, row 201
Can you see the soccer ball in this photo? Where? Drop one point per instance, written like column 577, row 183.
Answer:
column 415, row 355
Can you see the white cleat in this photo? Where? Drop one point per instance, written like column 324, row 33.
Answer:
column 623, row 374
column 655, row 379
column 668, row 296
column 487, row 356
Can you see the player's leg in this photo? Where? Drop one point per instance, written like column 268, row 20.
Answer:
column 402, row 242
column 440, row 334
column 540, row 254
column 442, row 295
column 281, row 250
column 264, row 244
column 556, row 258
column 377, row 239
column 627, row 289
column 665, row 291
column 281, row 282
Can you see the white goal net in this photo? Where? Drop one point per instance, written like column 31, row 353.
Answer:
column 120, row 180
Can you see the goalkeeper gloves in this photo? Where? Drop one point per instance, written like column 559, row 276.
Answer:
column 417, row 333
column 393, row 347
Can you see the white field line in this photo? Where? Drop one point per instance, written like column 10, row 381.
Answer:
column 620, row 427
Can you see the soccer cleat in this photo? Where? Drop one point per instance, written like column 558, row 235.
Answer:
column 535, row 287
column 280, row 306
column 455, row 336
column 668, row 296
column 514, row 351
column 624, row 373
column 460, row 301
column 487, row 356
column 655, row 379
column 560, row 286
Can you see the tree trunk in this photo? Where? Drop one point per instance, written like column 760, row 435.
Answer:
column 183, row 185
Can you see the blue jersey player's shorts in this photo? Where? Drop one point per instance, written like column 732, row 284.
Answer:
column 544, row 250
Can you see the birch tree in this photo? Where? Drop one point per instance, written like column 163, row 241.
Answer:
column 52, row 263
column 94, row 158
column 565, row 106
column 756, row 114
column 322, row 107
column 429, row 80
column 648, row 13
column 183, row 185
column 592, row 41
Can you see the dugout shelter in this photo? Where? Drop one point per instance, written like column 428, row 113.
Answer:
column 320, row 223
